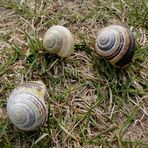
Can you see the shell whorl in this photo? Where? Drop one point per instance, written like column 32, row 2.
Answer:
column 26, row 107
column 59, row 40
column 116, row 44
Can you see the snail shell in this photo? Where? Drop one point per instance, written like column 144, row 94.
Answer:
column 59, row 40
column 26, row 107
column 116, row 44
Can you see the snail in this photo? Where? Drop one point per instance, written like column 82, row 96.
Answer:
column 59, row 40
column 26, row 107
column 116, row 44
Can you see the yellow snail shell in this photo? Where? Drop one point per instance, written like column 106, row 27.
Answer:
column 58, row 40
column 116, row 44
column 26, row 107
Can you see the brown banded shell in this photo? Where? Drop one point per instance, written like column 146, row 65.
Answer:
column 26, row 107
column 59, row 40
column 116, row 44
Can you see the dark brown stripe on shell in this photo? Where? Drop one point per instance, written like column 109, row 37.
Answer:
column 118, row 49
column 129, row 55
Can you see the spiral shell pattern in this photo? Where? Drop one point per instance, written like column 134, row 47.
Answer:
column 116, row 44
column 59, row 40
column 26, row 107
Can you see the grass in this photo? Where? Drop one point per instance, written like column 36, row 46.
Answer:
column 92, row 103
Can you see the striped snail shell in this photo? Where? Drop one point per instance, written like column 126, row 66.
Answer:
column 26, row 107
column 58, row 40
column 116, row 44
